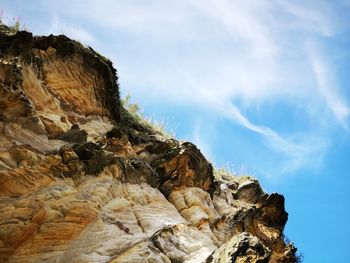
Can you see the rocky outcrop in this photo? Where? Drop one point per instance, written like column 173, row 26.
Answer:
column 242, row 247
column 82, row 182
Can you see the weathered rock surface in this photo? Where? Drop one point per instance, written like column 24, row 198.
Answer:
column 81, row 183
column 242, row 247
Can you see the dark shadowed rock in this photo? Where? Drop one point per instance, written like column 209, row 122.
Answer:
column 94, row 158
column 137, row 172
column 273, row 213
column 75, row 134
column 183, row 165
column 243, row 247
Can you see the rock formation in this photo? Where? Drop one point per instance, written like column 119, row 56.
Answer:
column 81, row 181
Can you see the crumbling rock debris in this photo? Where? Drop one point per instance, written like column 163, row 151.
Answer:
column 81, row 183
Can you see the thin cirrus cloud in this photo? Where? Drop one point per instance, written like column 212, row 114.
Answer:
column 295, row 151
column 242, row 50
column 314, row 16
column 328, row 89
column 242, row 21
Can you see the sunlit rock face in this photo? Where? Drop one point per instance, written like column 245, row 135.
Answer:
column 81, row 183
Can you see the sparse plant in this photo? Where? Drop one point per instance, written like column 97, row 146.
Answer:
column 299, row 258
column 10, row 29
column 133, row 113
column 17, row 25
column 96, row 53
column 232, row 173
column 286, row 240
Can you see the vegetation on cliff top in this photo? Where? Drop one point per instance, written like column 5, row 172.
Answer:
column 10, row 29
column 132, row 113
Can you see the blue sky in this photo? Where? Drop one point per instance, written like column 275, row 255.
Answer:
column 260, row 86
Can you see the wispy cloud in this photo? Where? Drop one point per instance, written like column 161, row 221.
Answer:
column 297, row 150
column 202, row 141
column 329, row 90
column 243, row 20
column 313, row 16
column 214, row 53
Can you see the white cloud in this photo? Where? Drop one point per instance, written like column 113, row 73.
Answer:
column 329, row 90
column 237, row 48
column 312, row 16
column 202, row 141
column 134, row 17
column 242, row 21
column 215, row 52
column 72, row 31
column 296, row 151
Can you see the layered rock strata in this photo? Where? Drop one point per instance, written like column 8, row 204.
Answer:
column 81, row 182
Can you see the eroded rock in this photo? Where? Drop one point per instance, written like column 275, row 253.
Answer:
column 81, row 183
column 183, row 244
column 75, row 134
column 94, row 158
column 183, row 166
column 243, row 247
column 137, row 171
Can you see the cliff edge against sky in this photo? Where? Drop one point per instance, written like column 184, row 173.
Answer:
column 82, row 181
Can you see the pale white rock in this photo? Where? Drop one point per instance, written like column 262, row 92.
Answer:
column 182, row 243
column 194, row 204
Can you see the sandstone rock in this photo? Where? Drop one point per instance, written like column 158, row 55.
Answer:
column 75, row 134
column 249, row 191
column 82, row 182
column 183, row 166
column 94, row 158
column 137, row 171
column 241, row 248
column 142, row 253
column 183, row 244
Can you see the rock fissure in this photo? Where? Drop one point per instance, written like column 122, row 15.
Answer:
column 137, row 220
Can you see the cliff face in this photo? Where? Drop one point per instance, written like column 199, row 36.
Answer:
column 80, row 182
